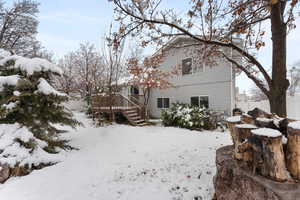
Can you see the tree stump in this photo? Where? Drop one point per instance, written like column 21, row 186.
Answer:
column 283, row 125
column 268, row 156
column 4, row 173
column 236, row 182
column 293, row 150
column 232, row 122
column 241, row 149
column 265, row 123
column 256, row 112
column 248, row 119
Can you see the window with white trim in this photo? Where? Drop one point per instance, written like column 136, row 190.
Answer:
column 187, row 66
column 190, row 66
column 202, row 101
column 163, row 102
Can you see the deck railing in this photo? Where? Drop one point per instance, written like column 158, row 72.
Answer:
column 116, row 101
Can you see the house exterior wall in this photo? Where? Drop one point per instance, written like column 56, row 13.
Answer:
column 215, row 81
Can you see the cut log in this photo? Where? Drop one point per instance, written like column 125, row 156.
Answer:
column 256, row 112
column 248, row 119
column 242, row 150
column 4, row 173
column 268, row 156
column 293, row 150
column 235, row 182
column 283, row 125
column 262, row 122
column 237, row 111
column 232, row 122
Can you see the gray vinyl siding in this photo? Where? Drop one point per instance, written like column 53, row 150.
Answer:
column 219, row 96
column 217, row 82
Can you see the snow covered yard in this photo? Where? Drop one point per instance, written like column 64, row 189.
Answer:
column 124, row 162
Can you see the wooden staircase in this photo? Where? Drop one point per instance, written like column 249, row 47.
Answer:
column 134, row 117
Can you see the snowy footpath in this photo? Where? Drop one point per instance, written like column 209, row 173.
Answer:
column 124, row 162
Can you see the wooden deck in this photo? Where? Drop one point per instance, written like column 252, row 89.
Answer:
column 133, row 111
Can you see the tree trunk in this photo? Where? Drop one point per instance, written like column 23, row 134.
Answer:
column 243, row 133
column 233, row 130
column 293, row 152
column 235, row 182
column 268, row 157
column 280, row 84
column 248, row 119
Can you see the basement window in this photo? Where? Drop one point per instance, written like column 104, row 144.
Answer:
column 163, row 102
column 202, row 101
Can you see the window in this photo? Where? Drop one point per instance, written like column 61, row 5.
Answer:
column 186, row 66
column 134, row 90
column 195, row 101
column 202, row 101
column 163, row 102
column 190, row 66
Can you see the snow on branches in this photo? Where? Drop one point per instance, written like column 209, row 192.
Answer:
column 45, row 88
column 14, row 153
column 30, row 109
column 30, row 65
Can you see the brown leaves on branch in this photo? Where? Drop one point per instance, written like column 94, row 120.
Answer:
column 273, row 1
column 212, row 22
column 259, row 44
column 148, row 75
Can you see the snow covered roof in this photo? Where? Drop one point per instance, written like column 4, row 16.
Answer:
column 124, row 80
column 180, row 38
column 266, row 132
column 31, row 65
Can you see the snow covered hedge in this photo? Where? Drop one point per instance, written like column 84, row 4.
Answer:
column 192, row 117
column 30, row 110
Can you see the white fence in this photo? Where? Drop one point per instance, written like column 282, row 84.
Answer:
column 293, row 106
column 76, row 105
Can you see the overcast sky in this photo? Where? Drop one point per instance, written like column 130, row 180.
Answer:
column 66, row 23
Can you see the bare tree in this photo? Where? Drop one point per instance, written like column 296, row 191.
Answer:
column 215, row 23
column 294, row 79
column 38, row 51
column 88, row 65
column 257, row 94
column 18, row 27
column 84, row 71
column 68, row 82
column 112, row 54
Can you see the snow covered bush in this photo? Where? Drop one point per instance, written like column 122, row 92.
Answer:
column 30, row 111
column 192, row 117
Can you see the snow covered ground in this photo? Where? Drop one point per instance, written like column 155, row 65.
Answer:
column 123, row 162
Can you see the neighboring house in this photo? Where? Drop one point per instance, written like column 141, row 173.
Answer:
column 200, row 84
column 241, row 96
